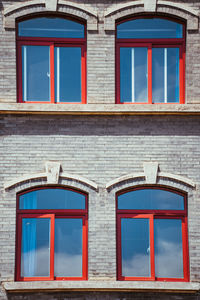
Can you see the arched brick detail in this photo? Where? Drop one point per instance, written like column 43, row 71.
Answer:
column 12, row 12
column 182, row 11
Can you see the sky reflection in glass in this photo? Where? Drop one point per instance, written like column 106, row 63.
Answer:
column 52, row 199
column 68, row 247
column 35, row 252
column 51, row 27
column 35, row 73
column 149, row 28
column 135, row 247
column 133, row 74
column 151, row 199
column 168, row 248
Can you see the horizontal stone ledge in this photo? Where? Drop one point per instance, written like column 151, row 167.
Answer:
column 102, row 286
column 99, row 109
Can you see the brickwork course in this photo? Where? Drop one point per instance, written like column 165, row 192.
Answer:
column 100, row 147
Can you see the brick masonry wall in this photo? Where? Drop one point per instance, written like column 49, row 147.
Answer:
column 100, row 149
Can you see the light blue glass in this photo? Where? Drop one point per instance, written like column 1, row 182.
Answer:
column 68, row 247
column 149, row 28
column 133, row 74
column 151, row 199
column 36, row 73
column 135, row 247
column 67, row 74
column 52, row 199
column 165, row 75
column 168, row 248
column 51, row 27
column 35, row 247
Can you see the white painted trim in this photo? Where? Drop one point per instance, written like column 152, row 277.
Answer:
column 178, row 6
column 64, row 175
column 134, row 176
column 115, row 8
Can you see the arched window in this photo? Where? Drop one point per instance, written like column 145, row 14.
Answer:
column 51, row 60
column 150, row 55
column 152, row 235
column 51, row 235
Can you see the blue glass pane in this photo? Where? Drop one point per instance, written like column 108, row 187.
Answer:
column 165, row 75
column 68, row 248
column 52, row 199
column 151, row 199
column 149, row 28
column 168, row 248
column 35, row 247
column 135, row 247
column 67, row 74
column 51, row 27
column 133, row 74
column 35, row 73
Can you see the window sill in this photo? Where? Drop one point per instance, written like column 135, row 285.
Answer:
column 102, row 286
column 99, row 109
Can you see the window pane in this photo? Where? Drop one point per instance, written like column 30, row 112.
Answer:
column 133, row 74
column 52, row 199
column 168, row 248
column 35, row 73
column 35, row 253
column 51, row 27
column 68, row 247
column 135, row 247
column 151, row 199
column 67, row 74
column 165, row 75
column 149, row 28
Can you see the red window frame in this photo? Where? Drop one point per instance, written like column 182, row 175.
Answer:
column 52, row 42
column 152, row 215
column 152, row 43
column 52, row 214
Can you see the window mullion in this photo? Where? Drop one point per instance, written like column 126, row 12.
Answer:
column 133, row 74
column 165, row 75
column 150, row 74
column 152, row 256
column 52, row 89
column 52, row 239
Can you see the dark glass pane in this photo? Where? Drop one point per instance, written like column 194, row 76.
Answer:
column 151, row 199
column 35, row 253
column 67, row 74
column 165, row 75
column 149, row 28
column 51, row 27
column 133, row 74
column 35, row 73
column 68, row 248
column 168, row 248
column 52, row 199
column 135, row 247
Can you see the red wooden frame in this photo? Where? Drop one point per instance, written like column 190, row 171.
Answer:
column 152, row 215
column 152, row 43
column 52, row 214
column 52, row 42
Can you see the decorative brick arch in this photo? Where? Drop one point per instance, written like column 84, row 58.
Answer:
column 183, row 11
column 22, row 9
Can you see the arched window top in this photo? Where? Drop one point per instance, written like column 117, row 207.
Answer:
column 52, row 198
column 149, row 28
column 53, row 27
column 151, row 199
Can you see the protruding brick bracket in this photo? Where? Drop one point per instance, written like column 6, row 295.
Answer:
column 52, row 176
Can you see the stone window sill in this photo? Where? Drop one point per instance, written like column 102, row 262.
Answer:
column 99, row 109
column 102, row 286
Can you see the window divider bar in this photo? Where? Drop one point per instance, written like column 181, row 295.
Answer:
column 52, row 89
column 25, row 73
column 149, row 82
column 58, row 74
column 165, row 75
column 133, row 73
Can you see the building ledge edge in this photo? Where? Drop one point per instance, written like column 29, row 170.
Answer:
column 102, row 286
column 99, row 109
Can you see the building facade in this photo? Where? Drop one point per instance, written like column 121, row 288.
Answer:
column 100, row 147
